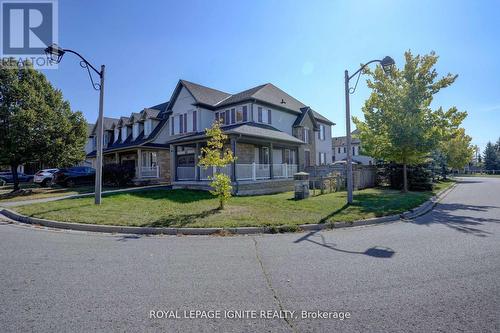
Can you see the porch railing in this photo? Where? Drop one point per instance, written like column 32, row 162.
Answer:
column 250, row 171
column 186, row 173
column 150, row 172
column 206, row 174
column 284, row 170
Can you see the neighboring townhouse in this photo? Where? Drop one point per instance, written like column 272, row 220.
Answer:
column 339, row 146
column 272, row 135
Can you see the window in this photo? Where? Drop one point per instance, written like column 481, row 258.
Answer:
column 322, row 158
column 259, row 114
column 321, row 133
column 264, row 155
column 226, row 118
column 338, row 150
column 172, row 129
column 106, row 139
column 181, row 123
column 239, row 116
column 306, row 135
column 194, row 121
column 185, row 122
column 353, row 150
column 135, row 130
column 124, row 133
column 290, row 157
column 245, row 113
column 345, row 150
column 233, row 116
column 149, row 159
column 269, row 121
column 116, row 134
column 148, row 126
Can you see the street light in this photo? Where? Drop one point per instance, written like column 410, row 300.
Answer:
column 386, row 64
column 55, row 53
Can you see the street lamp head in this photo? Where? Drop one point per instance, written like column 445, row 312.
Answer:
column 387, row 64
column 54, row 52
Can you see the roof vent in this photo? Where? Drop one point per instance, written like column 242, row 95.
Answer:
column 283, row 101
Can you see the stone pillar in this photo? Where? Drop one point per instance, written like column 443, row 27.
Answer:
column 173, row 163
column 139, row 164
column 301, row 185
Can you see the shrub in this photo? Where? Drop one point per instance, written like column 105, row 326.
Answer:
column 117, row 174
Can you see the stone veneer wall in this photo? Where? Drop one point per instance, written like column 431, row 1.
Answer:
column 164, row 163
column 245, row 153
column 264, row 187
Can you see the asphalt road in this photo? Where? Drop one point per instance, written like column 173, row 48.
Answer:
column 440, row 272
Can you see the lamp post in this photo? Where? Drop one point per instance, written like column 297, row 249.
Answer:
column 386, row 63
column 56, row 53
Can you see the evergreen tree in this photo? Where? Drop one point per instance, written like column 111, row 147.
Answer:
column 490, row 157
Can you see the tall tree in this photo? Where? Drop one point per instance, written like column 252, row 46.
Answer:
column 36, row 124
column 399, row 124
column 214, row 155
column 490, row 157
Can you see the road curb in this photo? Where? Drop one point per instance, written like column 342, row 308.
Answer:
column 411, row 214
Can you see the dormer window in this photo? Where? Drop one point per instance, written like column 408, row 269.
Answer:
column 116, row 134
column 124, row 133
column 148, row 127
column 135, row 130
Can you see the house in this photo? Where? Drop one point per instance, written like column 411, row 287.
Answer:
column 339, row 154
column 272, row 135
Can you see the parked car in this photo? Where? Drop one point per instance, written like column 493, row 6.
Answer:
column 7, row 177
column 44, row 177
column 70, row 177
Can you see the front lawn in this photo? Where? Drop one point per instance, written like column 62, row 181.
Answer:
column 38, row 192
column 186, row 208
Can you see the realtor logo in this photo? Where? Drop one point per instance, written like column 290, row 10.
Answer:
column 28, row 27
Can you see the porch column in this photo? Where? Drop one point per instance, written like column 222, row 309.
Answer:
column 173, row 163
column 271, row 160
column 297, row 151
column 139, row 164
column 196, row 167
column 233, row 164
column 117, row 158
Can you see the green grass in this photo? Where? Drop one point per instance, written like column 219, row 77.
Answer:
column 185, row 208
column 48, row 192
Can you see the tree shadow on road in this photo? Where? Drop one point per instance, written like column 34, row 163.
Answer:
column 317, row 238
column 459, row 217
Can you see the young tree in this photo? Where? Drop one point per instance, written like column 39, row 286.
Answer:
column 36, row 124
column 490, row 157
column 458, row 150
column 399, row 124
column 214, row 155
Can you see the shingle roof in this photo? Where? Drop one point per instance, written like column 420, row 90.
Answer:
column 342, row 140
column 267, row 93
column 204, row 95
column 108, row 124
column 250, row 129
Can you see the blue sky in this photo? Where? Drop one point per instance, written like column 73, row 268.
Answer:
column 303, row 47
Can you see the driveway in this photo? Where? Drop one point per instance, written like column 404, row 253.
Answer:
column 439, row 272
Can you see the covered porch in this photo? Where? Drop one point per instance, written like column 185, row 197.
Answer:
column 261, row 166
column 150, row 165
